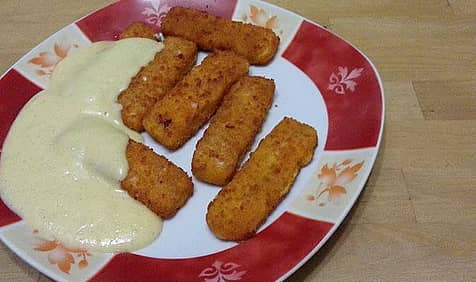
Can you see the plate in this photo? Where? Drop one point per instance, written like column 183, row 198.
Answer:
column 321, row 80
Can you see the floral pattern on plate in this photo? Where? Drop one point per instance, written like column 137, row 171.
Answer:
column 334, row 185
column 358, row 117
column 332, row 181
column 62, row 256
column 50, row 256
column 38, row 64
column 155, row 13
column 222, row 272
column 342, row 82
column 260, row 17
column 46, row 61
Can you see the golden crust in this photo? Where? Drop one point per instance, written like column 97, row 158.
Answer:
column 232, row 130
column 257, row 44
column 190, row 104
column 156, row 79
column 155, row 181
column 138, row 29
column 242, row 206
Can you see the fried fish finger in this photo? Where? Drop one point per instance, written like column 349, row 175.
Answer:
column 242, row 206
column 138, row 29
column 179, row 115
column 232, row 130
column 154, row 80
column 257, row 44
column 155, row 181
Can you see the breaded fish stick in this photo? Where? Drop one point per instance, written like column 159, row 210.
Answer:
column 257, row 44
column 243, row 205
column 179, row 115
column 154, row 80
column 156, row 182
column 138, row 29
column 232, row 130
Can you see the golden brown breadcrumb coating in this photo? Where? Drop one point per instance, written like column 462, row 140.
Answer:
column 257, row 44
column 190, row 104
column 232, row 130
column 138, row 29
column 155, row 181
column 154, row 80
column 242, row 206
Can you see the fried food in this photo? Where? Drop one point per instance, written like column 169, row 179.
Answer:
column 154, row 80
column 232, row 130
column 257, row 44
column 138, row 29
column 156, row 182
column 242, row 206
column 190, row 104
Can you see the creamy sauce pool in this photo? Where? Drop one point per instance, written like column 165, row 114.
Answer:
column 64, row 155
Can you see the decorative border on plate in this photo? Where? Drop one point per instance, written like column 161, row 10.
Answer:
column 347, row 81
column 335, row 184
column 282, row 239
column 38, row 64
column 50, row 257
column 344, row 76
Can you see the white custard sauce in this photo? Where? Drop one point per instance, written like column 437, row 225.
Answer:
column 64, row 155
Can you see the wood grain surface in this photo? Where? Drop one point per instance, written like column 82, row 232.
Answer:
column 416, row 219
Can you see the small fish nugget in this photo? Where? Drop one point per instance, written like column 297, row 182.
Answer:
column 242, row 206
column 153, row 81
column 232, row 130
column 191, row 103
column 138, row 29
column 257, row 44
column 155, row 181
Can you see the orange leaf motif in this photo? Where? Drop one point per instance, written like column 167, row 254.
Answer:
column 254, row 12
column 334, row 178
column 346, row 162
column 335, row 192
column 46, row 246
column 327, row 175
column 60, row 52
column 348, row 174
column 41, row 72
column 272, row 23
column 44, row 60
column 261, row 18
column 83, row 264
column 65, row 266
column 61, row 255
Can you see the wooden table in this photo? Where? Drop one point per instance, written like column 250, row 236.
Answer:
column 416, row 219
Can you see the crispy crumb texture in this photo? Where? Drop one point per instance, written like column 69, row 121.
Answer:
column 257, row 44
column 232, row 130
column 155, row 181
column 192, row 102
column 243, row 205
column 154, row 80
